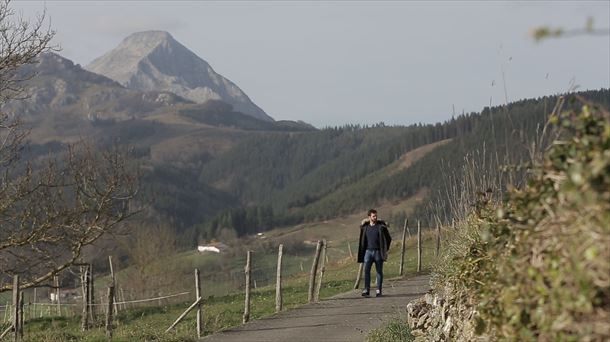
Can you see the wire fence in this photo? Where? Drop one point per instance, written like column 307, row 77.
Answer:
column 175, row 283
column 178, row 288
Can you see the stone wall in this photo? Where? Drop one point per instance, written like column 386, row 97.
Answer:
column 436, row 317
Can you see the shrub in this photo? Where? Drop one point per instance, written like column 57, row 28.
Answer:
column 536, row 267
column 396, row 331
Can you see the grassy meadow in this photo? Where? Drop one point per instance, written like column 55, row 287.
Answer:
column 223, row 292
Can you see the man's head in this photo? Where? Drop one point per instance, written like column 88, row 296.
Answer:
column 372, row 216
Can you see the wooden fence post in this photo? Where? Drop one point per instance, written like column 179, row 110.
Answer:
column 85, row 287
column 322, row 269
column 402, row 251
column 111, row 269
column 418, row 246
column 278, row 280
column 115, row 308
column 91, row 294
column 184, row 314
column 359, row 276
column 57, row 291
column 123, row 298
column 6, row 331
column 16, row 307
column 110, row 311
column 21, row 313
column 349, row 248
column 313, row 272
column 438, row 239
column 199, row 306
column 34, row 302
column 247, row 269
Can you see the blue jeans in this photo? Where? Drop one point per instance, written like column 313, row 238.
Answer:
column 369, row 256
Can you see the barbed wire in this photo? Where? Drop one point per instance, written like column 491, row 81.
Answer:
column 101, row 304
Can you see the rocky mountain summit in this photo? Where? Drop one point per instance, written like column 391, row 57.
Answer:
column 155, row 61
column 63, row 100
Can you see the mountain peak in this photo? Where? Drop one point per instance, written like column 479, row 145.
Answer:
column 151, row 34
column 130, row 52
column 155, row 61
column 149, row 39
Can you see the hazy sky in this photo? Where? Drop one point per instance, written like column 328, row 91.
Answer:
column 338, row 62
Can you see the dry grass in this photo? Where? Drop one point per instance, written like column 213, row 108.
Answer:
column 407, row 159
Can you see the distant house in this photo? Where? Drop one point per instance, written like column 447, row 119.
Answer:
column 65, row 295
column 202, row 249
column 214, row 247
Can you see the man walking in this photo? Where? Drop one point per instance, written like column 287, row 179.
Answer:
column 373, row 247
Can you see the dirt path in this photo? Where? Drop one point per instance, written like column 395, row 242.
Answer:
column 343, row 318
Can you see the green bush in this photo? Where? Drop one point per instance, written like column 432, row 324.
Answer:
column 537, row 266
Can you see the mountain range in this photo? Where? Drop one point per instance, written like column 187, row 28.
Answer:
column 211, row 159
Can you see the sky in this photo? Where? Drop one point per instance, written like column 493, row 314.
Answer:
column 332, row 63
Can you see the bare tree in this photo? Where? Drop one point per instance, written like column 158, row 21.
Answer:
column 21, row 42
column 149, row 247
column 50, row 209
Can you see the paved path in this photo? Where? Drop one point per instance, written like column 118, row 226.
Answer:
column 345, row 317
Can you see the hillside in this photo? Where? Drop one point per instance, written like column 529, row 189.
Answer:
column 331, row 172
column 206, row 166
column 169, row 135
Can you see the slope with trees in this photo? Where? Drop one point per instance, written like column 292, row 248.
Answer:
column 336, row 171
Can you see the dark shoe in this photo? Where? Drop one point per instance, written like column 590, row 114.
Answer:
column 365, row 293
column 378, row 293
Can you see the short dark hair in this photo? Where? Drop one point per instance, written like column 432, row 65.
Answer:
column 371, row 211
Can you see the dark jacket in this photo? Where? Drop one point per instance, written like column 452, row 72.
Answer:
column 384, row 240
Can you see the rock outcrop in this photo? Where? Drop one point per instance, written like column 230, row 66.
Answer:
column 435, row 317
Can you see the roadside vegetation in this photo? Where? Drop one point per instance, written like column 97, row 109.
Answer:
column 395, row 330
column 534, row 265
